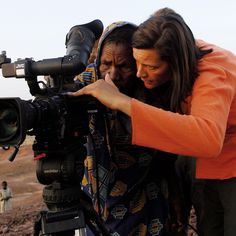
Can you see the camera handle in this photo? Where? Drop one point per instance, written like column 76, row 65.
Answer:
column 13, row 155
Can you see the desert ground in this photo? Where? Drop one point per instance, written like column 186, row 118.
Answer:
column 27, row 192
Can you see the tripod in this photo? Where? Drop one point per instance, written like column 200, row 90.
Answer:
column 70, row 210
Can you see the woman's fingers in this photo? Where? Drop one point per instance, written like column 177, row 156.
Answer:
column 109, row 81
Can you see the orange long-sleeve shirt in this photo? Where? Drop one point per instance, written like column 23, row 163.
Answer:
column 207, row 131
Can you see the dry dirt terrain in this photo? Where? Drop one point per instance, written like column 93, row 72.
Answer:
column 27, row 192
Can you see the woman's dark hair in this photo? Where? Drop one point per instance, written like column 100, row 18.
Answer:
column 167, row 32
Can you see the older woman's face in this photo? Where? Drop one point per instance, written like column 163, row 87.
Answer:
column 150, row 68
column 117, row 60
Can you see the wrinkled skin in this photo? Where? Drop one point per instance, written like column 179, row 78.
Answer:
column 117, row 61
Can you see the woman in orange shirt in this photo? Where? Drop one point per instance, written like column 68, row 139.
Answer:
column 202, row 120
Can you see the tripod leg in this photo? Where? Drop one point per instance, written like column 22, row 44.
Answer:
column 80, row 232
column 37, row 225
column 65, row 233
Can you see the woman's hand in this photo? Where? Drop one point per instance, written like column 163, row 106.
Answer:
column 107, row 93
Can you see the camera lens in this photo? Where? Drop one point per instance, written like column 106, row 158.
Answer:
column 8, row 122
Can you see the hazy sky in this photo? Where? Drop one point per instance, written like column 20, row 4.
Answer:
column 38, row 28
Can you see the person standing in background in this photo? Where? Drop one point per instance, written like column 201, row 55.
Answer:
column 5, row 198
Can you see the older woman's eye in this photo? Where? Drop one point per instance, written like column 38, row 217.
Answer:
column 152, row 67
column 104, row 66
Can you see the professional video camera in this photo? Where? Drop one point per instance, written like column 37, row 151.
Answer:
column 59, row 124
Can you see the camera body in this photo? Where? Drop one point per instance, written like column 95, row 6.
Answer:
column 59, row 122
column 51, row 110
